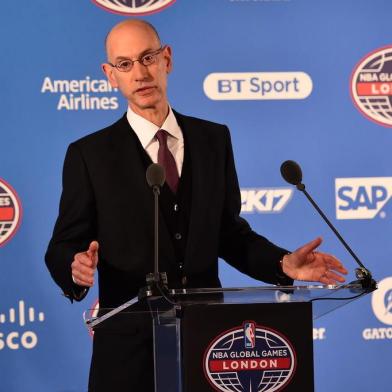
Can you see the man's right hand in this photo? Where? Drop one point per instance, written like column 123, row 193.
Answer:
column 84, row 265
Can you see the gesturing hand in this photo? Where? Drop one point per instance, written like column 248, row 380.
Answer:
column 307, row 264
column 84, row 265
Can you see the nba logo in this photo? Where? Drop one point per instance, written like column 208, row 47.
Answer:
column 249, row 335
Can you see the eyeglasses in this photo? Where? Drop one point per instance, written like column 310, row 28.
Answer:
column 147, row 59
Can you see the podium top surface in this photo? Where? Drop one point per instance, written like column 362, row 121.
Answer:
column 324, row 299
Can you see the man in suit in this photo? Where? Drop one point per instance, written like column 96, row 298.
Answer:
column 106, row 211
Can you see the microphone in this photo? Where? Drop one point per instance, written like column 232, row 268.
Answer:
column 156, row 281
column 155, row 175
column 292, row 173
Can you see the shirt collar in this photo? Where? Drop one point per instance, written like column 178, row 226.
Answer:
column 146, row 130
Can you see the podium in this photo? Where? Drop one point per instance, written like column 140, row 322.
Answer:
column 232, row 339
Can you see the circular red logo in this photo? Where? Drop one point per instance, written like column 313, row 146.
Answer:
column 250, row 357
column 134, row 7
column 371, row 86
column 10, row 212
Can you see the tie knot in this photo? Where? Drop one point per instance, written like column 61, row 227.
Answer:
column 161, row 135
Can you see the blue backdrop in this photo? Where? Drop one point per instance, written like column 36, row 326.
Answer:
column 293, row 79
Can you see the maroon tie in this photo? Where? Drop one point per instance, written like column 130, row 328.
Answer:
column 166, row 159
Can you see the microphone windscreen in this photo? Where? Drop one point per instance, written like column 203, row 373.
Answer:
column 291, row 172
column 155, row 175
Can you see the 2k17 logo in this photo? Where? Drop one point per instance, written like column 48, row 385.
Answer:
column 263, row 200
column 361, row 198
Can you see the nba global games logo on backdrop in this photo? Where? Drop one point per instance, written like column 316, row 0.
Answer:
column 10, row 212
column 382, row 308
column 134, row 7
column 249, row 358
column 371, row 86
column 362, row 198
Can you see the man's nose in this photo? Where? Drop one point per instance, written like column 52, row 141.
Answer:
column 140, row 71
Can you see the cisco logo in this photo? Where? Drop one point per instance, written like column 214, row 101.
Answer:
column 258, row 85
column 17, row 319
column 133, row 7
column 362, row 198
column 264, row 200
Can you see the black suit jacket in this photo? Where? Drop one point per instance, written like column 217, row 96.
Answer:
column 106, row 198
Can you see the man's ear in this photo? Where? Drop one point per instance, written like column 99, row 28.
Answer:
column 167, row 54
column 109, row 72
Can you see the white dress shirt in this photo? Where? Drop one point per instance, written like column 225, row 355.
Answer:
column 146, row 130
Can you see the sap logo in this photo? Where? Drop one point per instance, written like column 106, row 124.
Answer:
column 265, row 200
column 361, row 198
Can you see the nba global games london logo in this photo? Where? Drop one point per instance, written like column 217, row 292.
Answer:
column 371, row 86
column 134, row 7
column 10, row 212
column 249, row 358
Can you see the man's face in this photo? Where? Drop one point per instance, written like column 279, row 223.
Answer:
column 143, row 86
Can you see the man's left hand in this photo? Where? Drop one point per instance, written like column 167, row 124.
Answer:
column 308, row 264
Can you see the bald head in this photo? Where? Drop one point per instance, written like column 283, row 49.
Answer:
column 130, row 27
column 136, row 43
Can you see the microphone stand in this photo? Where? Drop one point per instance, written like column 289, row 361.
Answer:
column 292, row 173
column 363, row 275
column 157, row 283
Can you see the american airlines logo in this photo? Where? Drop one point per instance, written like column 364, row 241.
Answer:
column 362, row 198
column 81, row 94
column 15, row 319
column 265, row 200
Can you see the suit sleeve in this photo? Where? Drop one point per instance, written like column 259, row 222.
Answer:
column 75, row 227
column 239, row 245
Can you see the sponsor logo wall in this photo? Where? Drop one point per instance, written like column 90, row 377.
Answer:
column 288, row 85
